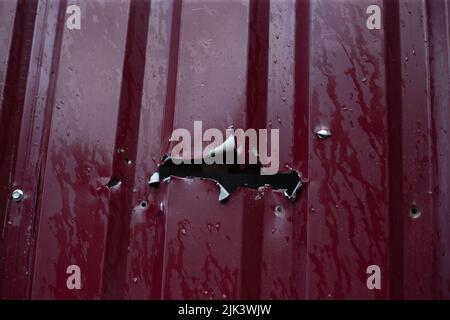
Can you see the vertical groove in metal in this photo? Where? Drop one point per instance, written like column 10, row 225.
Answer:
column 393, row 66
column 302, row 131
column 167, row 126
column 53, row 64
column 257, row 63
column 440, row 99
column 12, row 110
column 169, row 110
column 257, row 82
column 124, row 165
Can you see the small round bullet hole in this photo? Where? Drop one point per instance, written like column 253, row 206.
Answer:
column 279, row 211
column 144, row 204
column 414, row 212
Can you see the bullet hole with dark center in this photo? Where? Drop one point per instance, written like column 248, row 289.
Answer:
column 414, row 212
column 144, row 204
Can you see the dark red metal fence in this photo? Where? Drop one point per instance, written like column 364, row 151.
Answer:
column 81, row 107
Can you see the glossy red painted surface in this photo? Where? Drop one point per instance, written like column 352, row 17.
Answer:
column 80, row 107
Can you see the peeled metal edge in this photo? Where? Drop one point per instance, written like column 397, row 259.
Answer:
column 223, row 193
column 228, row 146
column 154, row 180
column 323, row 134
column 293, row 195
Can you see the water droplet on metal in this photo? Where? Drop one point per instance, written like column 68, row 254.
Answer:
column 259, row 193
column 212, row 227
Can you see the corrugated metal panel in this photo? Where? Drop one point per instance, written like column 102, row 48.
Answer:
column 72, row 100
